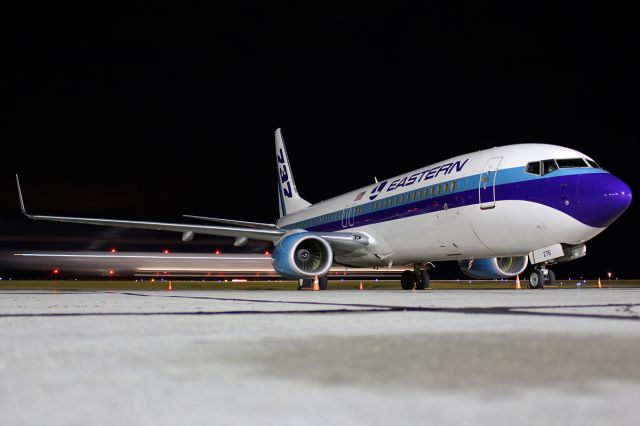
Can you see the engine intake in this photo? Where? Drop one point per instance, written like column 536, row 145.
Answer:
column 494, row 267
column 302, row 255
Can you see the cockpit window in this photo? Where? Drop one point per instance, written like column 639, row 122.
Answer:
column 548, row 166
column 544, row 167
column 569, row 163
column 593, row 163
column 533, row 167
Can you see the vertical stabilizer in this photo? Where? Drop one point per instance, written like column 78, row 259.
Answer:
column 288, row 196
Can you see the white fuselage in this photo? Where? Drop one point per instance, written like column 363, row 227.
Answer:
column 489, row 207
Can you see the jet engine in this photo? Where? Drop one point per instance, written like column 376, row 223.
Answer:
column 494, row 267
column 302, row 255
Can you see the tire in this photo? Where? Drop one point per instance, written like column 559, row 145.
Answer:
column 536, row 280
column 408, row 280
column 423, row 280
column 551, row 278
column 323, row 282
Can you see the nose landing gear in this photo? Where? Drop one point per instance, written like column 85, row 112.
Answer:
column 541, row 276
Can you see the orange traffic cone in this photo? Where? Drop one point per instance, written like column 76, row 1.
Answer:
column 316, row 284
column 518, row 282
column 361, row 288
column 170, row 289
column 599, row 283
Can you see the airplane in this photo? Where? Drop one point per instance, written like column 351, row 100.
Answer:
column 494, row 211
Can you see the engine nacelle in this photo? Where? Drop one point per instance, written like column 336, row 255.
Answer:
column 494, row 267
column 302, row 255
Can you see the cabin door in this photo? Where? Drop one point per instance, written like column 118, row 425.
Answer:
column 348, row 216
column 487, row 189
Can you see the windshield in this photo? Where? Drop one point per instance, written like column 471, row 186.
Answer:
column 568, row 163
column 544, row 167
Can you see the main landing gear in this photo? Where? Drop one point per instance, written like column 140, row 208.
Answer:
column 323, row 283
column 417, row 279
column 541, row 276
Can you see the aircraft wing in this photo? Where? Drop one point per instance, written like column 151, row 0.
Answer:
column 346, row 241
column 234, row 222
column 266, row 234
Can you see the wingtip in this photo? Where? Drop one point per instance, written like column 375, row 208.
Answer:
column 24, row 210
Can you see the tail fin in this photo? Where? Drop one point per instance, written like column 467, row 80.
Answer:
column 290, row 201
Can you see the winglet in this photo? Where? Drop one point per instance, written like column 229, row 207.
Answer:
column 24, row 211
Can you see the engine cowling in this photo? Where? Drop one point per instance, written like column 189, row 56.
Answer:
column 302, row 255
column 494, row 267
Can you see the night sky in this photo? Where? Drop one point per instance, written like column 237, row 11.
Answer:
column 138, row 111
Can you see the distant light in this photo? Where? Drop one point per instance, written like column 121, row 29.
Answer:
column 153, row 280
column 55, row 271
column 111, row 272
column 266, row 253
column 217, row 252
column 238, row 280
column 113, row 250
column 609, row 274
column 165, row 251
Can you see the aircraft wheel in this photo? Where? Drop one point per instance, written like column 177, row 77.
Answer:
column 423, row 280
column 323, row 282
column 551, row 277
column 536, row 280
column 408, row 280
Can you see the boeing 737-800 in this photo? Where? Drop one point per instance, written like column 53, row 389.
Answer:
column 494, row 211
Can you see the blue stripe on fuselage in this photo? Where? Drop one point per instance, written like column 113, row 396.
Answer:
column 514, row 183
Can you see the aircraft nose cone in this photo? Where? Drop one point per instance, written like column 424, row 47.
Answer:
column 603, row 198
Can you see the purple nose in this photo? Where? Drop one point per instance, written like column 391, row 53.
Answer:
column 603, row 198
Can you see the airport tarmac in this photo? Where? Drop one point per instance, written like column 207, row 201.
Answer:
column 498, row 357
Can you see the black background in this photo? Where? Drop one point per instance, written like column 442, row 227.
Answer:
column 150, row 111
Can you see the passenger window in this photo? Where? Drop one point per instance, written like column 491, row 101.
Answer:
column 438, row 190
column 433, row 190
column 569, row 163
column 548, row 166
column 533, row 167
column 453, row 186
column 446, row 188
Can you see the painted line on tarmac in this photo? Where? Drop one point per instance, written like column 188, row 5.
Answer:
column 466, row 311
column 515, row 310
